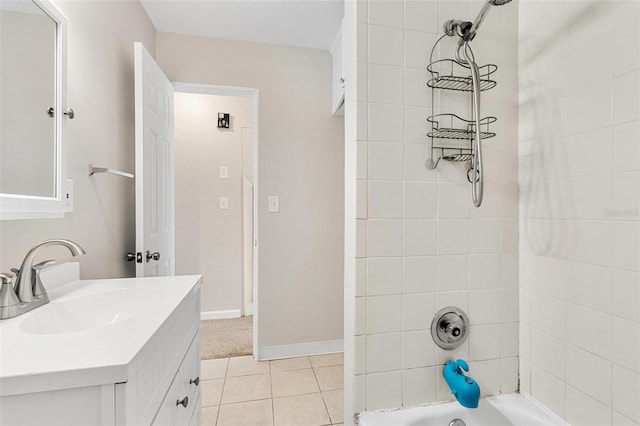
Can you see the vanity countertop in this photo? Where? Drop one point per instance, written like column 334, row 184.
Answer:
column 89, row 332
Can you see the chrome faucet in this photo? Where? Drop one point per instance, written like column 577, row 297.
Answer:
column 29, row 293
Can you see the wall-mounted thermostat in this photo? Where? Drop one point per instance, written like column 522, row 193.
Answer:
column 223, row 120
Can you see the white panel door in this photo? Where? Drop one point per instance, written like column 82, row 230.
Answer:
column 155, row 221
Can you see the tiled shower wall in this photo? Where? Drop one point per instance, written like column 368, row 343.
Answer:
column 421, row 245
column 579, row 209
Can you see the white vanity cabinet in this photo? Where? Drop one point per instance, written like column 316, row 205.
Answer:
column 142, row 386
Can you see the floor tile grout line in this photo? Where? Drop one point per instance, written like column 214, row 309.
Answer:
column 224, row 382
column 326, row 409
column 273, row 405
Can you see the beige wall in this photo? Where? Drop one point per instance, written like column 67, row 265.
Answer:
column 301, row 160
column 208, row 239
column 100, row 90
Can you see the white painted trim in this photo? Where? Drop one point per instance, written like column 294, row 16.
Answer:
column 210, row 89
column 299, row 349
column 213, row 315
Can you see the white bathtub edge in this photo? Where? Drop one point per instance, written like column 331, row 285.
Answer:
column 545, row 409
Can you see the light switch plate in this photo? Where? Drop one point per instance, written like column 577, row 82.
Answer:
column 224, row 172
column 224, row 203
column 274, row 203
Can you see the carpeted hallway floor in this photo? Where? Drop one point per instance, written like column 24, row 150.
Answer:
column 227, row 337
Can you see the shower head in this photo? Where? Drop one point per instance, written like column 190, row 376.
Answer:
column 483, row 13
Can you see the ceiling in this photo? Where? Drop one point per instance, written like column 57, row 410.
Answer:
column 302, row 23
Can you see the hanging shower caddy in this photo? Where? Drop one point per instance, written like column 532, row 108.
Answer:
column 451, row 136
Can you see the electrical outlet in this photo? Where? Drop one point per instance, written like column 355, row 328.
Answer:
column 224, row 172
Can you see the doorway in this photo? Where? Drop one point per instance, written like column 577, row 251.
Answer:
column 216, row 138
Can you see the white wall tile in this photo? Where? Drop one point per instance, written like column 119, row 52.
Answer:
column 386, row 12
column 420, row 200
column 361, row 172
column 484, row 306
column 626, row 102
column 453, row 200
column 509, row 375
column 384, row 314
column 590, row 108
column 453, row 236
column 509, row 270
column 416, row 91
column 361, row 238
column 548, row 353
column 385, row 161
column 422, row 15
column 384, row 238
column 484, row 271
column 360, row 398
column 488, row 374
column 385, row 200
column 385, row 123
column 548, row 390
column 626, row 294
column 386, row 45
column 419, row 237
column 384, row 352
column 581, row 235
column 626, row 150
column 589, row 285
column 386, row 84
column 453, row 273
column 418, row 386
column 590, row 152
column 360, row 359
column 415, row 156
column 384, row 390
column 362, row 75
column 626, row 245
column 509, row 339
column 361, row 277
column 625, row 343
column 417, row 311
column 361, row 316
column 509, row 305
column 384, row 275
column 584, row 410
column 626, row 196
column 417, row 48
column 627, row 47
column 361, row 201
column 362, row 36
column 583, row 71
column 484, row 236
column 484, row 342
column 589, row 329
column 549, row 315
column 626, row 392
column 418, row 274
column 418, row 349
column 589, row 374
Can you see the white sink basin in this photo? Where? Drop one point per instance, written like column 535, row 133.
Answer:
column 88, row 312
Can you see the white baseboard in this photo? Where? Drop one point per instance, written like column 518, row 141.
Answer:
column 211, row 315
column 299, row 349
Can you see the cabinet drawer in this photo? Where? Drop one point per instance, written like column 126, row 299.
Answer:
column 183, row 397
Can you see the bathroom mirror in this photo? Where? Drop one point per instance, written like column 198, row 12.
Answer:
column 32, row 44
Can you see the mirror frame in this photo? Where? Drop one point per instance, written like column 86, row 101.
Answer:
column 14, row 206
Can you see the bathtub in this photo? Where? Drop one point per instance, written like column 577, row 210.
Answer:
column 503, row 410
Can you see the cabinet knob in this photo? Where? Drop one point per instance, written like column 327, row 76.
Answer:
column 195, row 382
column 184, row 402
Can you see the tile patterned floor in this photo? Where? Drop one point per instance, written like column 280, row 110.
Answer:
column 304, row 391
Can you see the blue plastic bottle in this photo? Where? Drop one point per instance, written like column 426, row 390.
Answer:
column 464, row 388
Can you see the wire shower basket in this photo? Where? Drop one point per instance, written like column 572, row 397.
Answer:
column 452, row 136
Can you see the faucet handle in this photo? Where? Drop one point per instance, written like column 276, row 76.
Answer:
column 38, row 287
column 7, row 293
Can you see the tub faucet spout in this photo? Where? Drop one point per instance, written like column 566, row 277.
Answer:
column 464, row 388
